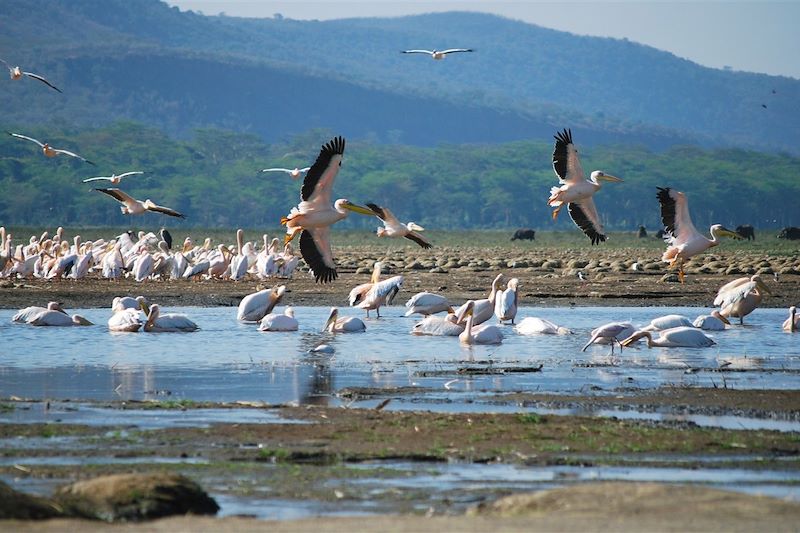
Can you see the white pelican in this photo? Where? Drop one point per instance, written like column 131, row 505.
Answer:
column 293, row 172
column 143, row 266
column 394, row 228
column 607, row 334
column 120, row 303
column 48, row 150
column 532, row 325
column 792, row 323
column 168, row 322
column 257, row 305
column 713, row 322
column 16, row 73
column 313, row 217
column 668, row 322
column 279, row 321
column 322, row 348
column 438, row 54
column 673, row 338
column 575, row 190
column 58, row 318
column 505, row 305
column 347, row 324
column 127, row 320
column 483, row 308
column 113, row 263
column 439, row 326
column 132, row 206
column 485, row 334
column 28, row 313
column 373, row 295
column 239, row 262
column 683, row 240
column 740, row 297
column 427, row 303
column 115, row 179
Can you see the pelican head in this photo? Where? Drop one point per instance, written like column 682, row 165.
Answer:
column 81, row 321
column 760, row 284
column 600, row 175
column 465, row 312
column 343, row 203
column 716, row 314
column 636, row 336
column 143, row 305
column 331, row 322
column 289, row 311
column 718, row 230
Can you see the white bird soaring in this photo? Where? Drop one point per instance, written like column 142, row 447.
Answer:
column 346, row 324
column 132, row 206
column 532, row 325
column 427, row 303
column 438, row 54
column 394, row 228
column 683, row 240
column 114, row 178
column 48, row 150
column 293, row 172
column 574, row 190
column 16, row 73
column 682, row 337
column 314, row 216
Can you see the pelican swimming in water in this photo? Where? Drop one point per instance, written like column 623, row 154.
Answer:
column 681, row 337
column 483, row 308
column 59, row 319
column 484, row 334
column 314, row 216
column 711, row 322
column 438, row 326
column 132, row 206
column 427, row 303
column 505, row 305
column 16, row 73
column 48, row 150
column 438, row 54
column 792, row 324
column 532, row 325
column 574, row 190
column 345, row 324
column 168, row 322
column 608, row 334
column 293, row 172
column 279, row 321
column 127, row 320
column 741, row 297
column 257, row 305
column 668, row 322
column 683, row 240
column 394, row 228
column 27, row 314
column 114, row 178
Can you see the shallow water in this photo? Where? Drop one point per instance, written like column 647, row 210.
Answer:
column 228, row 361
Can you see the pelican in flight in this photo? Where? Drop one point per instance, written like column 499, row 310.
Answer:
column 293, row 172
column 48, row 150
column 681, row 337
column 346, row 324
column 114, row 178
column 741, row 297
column 792, row 323
column 394, row 228
column 314, row 216
column 575, row 190
column 438, row 54
column 483, row 334
column 16, row 73
column 683, row 240
column 132, row 206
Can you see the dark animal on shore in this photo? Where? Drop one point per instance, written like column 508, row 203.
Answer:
column 642, row 233
column 524, row 233
column 746, row 231
column 790, row 232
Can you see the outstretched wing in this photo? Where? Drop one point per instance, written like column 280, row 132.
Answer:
column 288, row 171
column 584, row 215
column 417, row 52
column 161, row 209
column 456, row 50
column 318, row 182
column 384, row 214
column 419, row 239
column 315, row 248
column 98, row 178
column 25, row 137
column 118, row 195
column 675, row 214
column 565, row 158
column 41, row 79
column 73, row 154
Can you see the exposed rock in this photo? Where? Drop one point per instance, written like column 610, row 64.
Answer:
column 21, row 506
column 671, row 277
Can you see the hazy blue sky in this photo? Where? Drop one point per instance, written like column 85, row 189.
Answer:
column 755, row 35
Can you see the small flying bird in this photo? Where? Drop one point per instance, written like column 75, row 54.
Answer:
column 16, row 73
column 114, row 178
column 293, row 172
column 132, row 206
column 47, row 150
column 394, row 228
column 438, row 54
column 575, row 190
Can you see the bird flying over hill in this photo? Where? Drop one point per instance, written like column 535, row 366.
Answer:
column 132, row 206
column 438, row 54
column 48, row 150
column 16, row 73
column 114, row 178
column 293, row 172
column 394, row 228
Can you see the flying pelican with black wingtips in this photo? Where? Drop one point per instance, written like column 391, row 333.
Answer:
column 314, row 216
column 438, row 54
column 683, row 240
column 48, row 150
column 394, row 228
column 575, row 190
column 16, row 73
column 132, row 206
column 293, row 172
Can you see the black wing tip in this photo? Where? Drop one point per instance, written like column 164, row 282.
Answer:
column 564, row 136
column 335, row 145
column 326, row 275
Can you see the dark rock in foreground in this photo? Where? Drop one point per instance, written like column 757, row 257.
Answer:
column 21, row 506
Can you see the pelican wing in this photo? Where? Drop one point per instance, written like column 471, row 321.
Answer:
column 384, row 214
column 419, row 239
column 98, row 178
column 132, row 173
column 41, row 79
column 3, row 61
column 318, row 182
column 731, row 285
column 675, row 215
column 161, row 209
column 315, row 247
column 565, row 158
column 584, row 215
column 456, row 50
column 387, row 288
column 72, row 154
column 734, row 294
column 118, row 195
column 287, row 170
column 417, row 52
column 17, row 135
